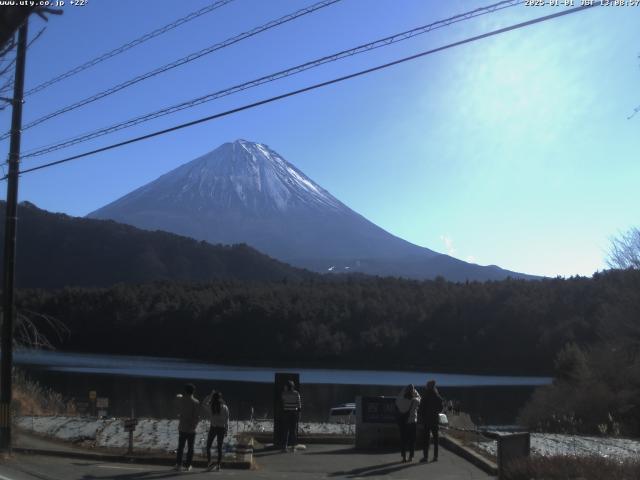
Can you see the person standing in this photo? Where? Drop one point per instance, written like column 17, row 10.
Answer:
column 407, row 403
column 431, row 408
column 218, row 428
column 189, row 417
column 291, row 407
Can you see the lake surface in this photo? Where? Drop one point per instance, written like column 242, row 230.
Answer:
column 149, row 384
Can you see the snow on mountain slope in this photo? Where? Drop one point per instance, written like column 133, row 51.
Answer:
column 240, row 175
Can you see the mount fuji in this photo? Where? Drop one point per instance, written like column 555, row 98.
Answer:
column 244, row 192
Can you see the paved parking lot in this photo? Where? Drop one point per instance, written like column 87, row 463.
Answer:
column 317, row 462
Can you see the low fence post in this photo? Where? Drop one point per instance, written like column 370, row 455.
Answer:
column 130, row 426
column 513, row 446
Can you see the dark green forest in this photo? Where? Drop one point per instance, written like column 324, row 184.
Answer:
column 56, row 250
column 509, row 327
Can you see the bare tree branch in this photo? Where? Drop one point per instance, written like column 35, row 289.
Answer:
column 29, row 335
column 8, row 47
column 625, row 250
column 635, row 110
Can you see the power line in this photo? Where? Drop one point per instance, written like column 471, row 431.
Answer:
column 127, row 46
column 312, row 87
column 182, row 61
column 273, row 77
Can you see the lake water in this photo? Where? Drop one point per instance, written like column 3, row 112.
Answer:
column 149, row 385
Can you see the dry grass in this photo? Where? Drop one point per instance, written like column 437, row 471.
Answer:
column 573, row 468
column 30, row 398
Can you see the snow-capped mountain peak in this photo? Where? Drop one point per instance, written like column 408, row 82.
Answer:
column 244, row 175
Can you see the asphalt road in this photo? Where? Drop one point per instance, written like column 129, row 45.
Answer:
column 318, row 462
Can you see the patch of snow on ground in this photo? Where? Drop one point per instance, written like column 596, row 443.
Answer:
column 71, row 429
column 153, row 434
column 549, row 444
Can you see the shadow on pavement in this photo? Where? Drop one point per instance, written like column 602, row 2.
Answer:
column 267, row 452
column 352, row 451
column 373, row 470
column 152, row 475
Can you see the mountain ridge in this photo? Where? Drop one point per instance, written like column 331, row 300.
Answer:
column 57, row 250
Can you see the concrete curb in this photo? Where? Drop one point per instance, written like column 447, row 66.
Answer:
column 475, row 458
column 447, row 442
column 244, row 464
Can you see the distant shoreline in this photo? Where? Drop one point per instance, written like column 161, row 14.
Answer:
column 69, row 361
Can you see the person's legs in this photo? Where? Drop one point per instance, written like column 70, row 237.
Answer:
column 289, row 429
column 293, row 436
column 191, row 438
column 209, row 443
column 285, row 430
column 434, row 431
column 425, row 447
column 181, row 439
column 403, row 441
column 411, row 437
column 220, row 435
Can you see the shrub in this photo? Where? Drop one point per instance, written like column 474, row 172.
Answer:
column 594, row 392
column 571, row 467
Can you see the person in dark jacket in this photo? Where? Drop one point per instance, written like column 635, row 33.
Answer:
column 291, row 406
column 431, row 406
column 189, row 418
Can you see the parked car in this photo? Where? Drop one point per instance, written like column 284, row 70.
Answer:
column 345, row 413
column 443, row 420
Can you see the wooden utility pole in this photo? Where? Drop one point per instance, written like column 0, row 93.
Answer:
column 11, row 220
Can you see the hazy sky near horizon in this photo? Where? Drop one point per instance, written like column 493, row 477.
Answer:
column 514, row 150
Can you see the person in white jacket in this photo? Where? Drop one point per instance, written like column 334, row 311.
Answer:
column 189, row 418
column 407, row 403
column 218, row 428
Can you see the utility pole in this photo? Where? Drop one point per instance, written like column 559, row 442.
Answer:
column 11, row 220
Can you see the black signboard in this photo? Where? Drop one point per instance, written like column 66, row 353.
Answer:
column 512, row 447
column 130, row 424
column 82, row 407
column 379, row 410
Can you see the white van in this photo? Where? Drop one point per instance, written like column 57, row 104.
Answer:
column 345, row 413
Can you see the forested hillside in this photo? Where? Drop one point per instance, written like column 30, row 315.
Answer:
column 510, row 326
column 56, row 250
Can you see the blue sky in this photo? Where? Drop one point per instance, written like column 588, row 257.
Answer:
column 514, row 150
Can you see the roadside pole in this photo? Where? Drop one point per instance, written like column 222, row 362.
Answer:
column 11, row 220
column 130, row 426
